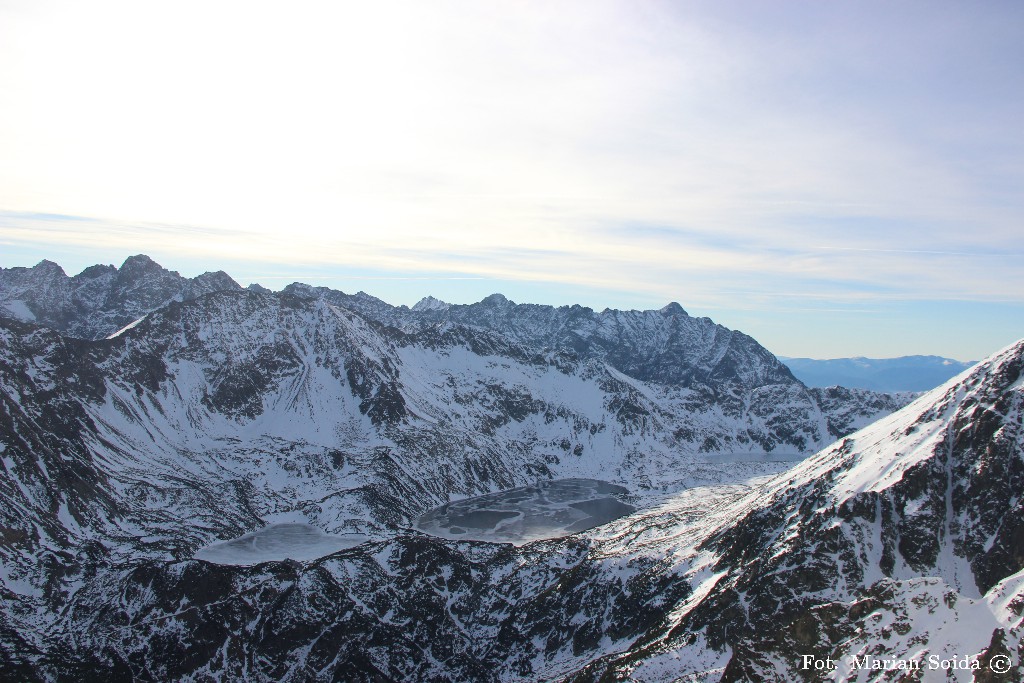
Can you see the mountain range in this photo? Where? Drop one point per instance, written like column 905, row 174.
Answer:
column 102, row 298
column 907, row 373
column 139, row 424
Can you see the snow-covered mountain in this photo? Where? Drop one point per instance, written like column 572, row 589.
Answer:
column 214, row 416
column 122, row 457
column 907, row 373
column 901, row 544
column 101, row 299
column 272, row 403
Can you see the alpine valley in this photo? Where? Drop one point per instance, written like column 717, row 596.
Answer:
column 144, row 417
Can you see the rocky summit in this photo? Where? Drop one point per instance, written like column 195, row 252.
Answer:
column 102, row 298
column 146, row 427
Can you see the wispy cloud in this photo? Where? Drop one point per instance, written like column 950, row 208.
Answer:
column 983, row 253
column 636, row 151
column 313, row 277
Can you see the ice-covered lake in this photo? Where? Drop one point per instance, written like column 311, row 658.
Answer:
column 718, row 458
column 291, row 541
column 550, row 509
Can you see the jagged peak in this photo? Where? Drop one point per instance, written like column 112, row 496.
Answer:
column 217, row 278
column 98, row 270
column 301, row 290
column 140, row 261
column 210, row 274
column 48, row 266
column 139, row 267
column 673, row 308
column 429, row 303
column 495, row 299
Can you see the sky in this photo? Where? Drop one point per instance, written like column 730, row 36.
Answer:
column 832, row 178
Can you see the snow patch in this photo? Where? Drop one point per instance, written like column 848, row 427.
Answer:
column 429, row 303
column 20, row 310
column 126, row 328
column 279, row 542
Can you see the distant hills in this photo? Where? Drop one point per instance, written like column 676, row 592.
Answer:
column 907, row 373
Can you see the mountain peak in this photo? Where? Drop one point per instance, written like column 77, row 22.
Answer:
column 140, row 265
column 47, row 265
column 217, row 276
column 96, row 271
column 300, row 290
column 673, row 308
column 209, row 282
column 429, row 303
column 102, row 298
column 139, row 260
column 495, row 299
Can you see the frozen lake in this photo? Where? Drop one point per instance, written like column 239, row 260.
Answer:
column 551, row 509
column 714, row 458
column 278, row 542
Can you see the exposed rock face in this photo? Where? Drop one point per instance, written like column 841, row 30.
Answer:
column 717, row 366
column 848, row 410
column 666, row 346
column 223, row 412
column 101, row 299
column 897, row 543
column 902, row 541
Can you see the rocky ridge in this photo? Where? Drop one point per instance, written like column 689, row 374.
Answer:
column 102, row 298
column 216, row 415
column 882, row 545
column 900, row 543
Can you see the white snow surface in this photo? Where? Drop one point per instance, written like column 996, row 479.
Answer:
column 20, row 310
column 942, row 615
column 429, row 303
column 127, row 327
column 180, row 464
column 311, row 448
column 276, row 542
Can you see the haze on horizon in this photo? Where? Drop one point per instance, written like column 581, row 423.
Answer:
column 834, row 179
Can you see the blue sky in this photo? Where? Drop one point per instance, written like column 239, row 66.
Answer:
column 832, row 178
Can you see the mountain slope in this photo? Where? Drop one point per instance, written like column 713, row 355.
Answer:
column 885, row 543
column 212, row 391
column 668, row 345
column 762, row 407
column 270, row 404
column 219, row 414
column 882, row 546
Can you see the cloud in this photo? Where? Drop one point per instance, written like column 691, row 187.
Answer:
column 655, row 263
column 660, row 150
